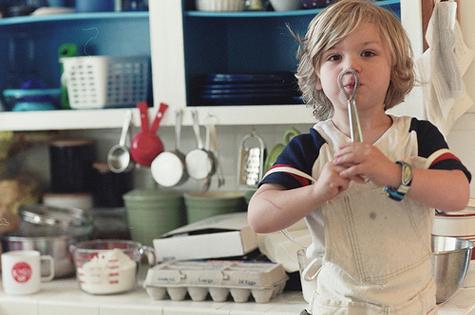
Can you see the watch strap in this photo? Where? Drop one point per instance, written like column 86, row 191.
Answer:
column 399, row 193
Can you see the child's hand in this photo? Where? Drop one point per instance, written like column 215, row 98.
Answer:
column 363, row 160
column 330, row 183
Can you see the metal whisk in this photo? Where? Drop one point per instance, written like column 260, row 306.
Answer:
column 355, row 128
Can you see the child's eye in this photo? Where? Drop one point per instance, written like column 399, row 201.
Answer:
column 334, row 57
column 368, row 53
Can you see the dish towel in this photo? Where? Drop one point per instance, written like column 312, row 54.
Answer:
column 441, row 68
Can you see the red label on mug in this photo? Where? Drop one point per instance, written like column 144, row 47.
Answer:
column 21, row 272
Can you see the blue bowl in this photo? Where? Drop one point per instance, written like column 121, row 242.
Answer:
column 13, row 97
column 32, row 106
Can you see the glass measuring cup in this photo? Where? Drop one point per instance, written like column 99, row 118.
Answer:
column 109, row 266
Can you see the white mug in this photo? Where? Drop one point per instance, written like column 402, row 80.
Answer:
column 21, row 271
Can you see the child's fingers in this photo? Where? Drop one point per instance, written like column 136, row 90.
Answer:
column 346, row 159
column 359, row 179
column 353, row 173
column 355, row 178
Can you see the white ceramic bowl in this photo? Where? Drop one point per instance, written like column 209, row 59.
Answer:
column 457, row 223
column 220, row 5
column 286, row 5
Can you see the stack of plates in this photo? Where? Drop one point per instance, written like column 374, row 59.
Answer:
column 246, row 89
column 460, row 224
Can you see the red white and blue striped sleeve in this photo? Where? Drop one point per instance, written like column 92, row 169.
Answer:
column 300, row 153
column 433, row 147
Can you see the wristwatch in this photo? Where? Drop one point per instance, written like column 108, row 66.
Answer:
column 399, row 193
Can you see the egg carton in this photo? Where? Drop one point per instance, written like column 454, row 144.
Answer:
column 180, row 279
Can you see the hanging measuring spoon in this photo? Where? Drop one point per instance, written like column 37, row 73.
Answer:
column 356, row 134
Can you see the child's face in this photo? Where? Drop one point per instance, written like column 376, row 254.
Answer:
column 366, row 52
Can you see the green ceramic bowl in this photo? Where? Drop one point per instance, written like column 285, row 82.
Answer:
column 142, row 195
column 151, row 213
column 206, row 204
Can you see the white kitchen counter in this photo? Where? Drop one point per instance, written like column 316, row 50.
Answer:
column 63, row 297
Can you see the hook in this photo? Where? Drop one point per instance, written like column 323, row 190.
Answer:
column 90, row 39
column 211, row 119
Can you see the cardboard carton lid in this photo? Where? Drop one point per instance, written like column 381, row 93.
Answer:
column 232, row 221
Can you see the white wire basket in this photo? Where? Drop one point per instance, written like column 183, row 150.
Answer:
column 105, row 81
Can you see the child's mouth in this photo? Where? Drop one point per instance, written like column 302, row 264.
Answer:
column 349, row 87
column 350, row 84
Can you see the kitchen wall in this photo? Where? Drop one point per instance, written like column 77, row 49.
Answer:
column 37, row 158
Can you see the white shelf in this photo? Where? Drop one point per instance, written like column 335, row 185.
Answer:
column 60, row 18
column 112, row 118
column 61, row 119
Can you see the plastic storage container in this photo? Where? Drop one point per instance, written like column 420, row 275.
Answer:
column 219, row 278
column 105, row 81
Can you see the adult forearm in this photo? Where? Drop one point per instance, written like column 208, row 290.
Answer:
column 440, row 189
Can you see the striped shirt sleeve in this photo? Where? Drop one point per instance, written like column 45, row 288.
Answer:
column 433, row 147
column 300, row 153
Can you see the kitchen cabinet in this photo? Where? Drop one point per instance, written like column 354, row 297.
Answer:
column 186, row 43
column 182, row 43
column 104, row 33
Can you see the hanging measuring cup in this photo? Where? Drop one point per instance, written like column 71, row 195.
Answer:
column 169, row 168
column 118, row 157
column 200, row 163
column 350, row 78
column 146, row 145
column 212, row 145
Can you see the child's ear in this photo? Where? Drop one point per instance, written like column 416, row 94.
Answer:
column 318, row 84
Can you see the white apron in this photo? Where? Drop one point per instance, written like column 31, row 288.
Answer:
column 376, row 251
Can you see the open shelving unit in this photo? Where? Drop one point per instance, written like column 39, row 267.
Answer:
column 101, row 33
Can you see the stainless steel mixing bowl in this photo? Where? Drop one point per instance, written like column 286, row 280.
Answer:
column 450, row 261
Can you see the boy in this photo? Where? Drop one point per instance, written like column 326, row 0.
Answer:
column 368, row 205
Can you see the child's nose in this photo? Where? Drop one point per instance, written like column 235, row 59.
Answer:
column 352, row 63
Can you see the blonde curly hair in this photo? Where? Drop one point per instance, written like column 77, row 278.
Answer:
column 332, row 25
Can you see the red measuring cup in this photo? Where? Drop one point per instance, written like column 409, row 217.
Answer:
column 146, row 144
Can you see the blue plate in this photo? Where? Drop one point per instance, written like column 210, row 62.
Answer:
column 246, row 95
column 248, row 100
column 243, row 78
column 269, row 85
column 254, row 92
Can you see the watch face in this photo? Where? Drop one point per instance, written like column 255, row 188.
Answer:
column 406, row 174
